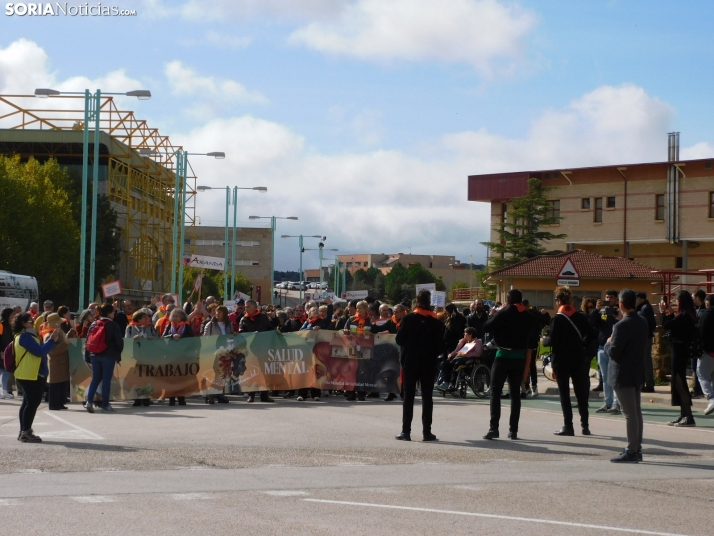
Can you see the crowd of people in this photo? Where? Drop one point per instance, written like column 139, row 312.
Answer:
column 617, row 331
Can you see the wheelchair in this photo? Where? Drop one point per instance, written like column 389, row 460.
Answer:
column 471, row 373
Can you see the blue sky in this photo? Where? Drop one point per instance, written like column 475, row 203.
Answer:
column 368, row 134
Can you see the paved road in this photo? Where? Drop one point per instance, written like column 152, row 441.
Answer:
column 333, row 467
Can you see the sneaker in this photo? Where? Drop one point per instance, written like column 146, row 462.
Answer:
column 30, row 437
column 300, row 399
column 443, row 386
column 534, row 391
column 108, row 409
column 692, row 394
column 602, row 409
column 316, row 399
column 675, row 421
column 615, row 410
column 251, row 399
column 625, row 457
column 8, row 395
column 710, row 407
column 688, row 422
column 89, row 407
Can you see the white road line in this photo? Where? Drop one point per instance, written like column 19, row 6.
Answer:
column 494, row 516
column 91, row 435
column 286, row 493
column 93, row 499
column 190, row 496
column 9, row 502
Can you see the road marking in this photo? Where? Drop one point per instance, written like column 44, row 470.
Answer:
column 93, row 499
column 190, row 496
column 286, row 493
column 495, row 516
column 9, row 502
column 91, row 435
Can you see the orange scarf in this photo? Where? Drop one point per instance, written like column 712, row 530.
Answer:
column 177, row 325
column 253, row 316
column 140, row 324
column 360, row 322
column 424, row 312
column 396, row 322
column 521, row 308
column 303, row 318
column 161, row 324
column 46, row 331
column 567, row 309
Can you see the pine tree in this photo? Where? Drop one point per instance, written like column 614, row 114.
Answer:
column 521, row 238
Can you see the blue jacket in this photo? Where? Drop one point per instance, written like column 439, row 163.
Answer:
column 29, row 343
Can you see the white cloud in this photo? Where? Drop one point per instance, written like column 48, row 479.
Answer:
column 697, row 151
column 476, row 32
column 214, row 91
column 386, row 201
column 242, row 10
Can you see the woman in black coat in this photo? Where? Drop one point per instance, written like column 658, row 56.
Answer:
column 683, row 328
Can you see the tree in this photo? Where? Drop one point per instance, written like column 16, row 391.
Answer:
column 400, row 283
column 212, row 283
column 39, row 233
column 394, row 282
column 521, row 237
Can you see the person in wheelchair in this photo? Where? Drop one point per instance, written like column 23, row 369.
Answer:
column 469, row 348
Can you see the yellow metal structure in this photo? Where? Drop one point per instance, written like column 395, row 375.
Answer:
column 140, row 188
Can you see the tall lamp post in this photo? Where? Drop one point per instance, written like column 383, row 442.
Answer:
column 92, row 111
column 302, row 250
column 273, row 227
column 321, row 248
column 261, row 189
column 180, row 215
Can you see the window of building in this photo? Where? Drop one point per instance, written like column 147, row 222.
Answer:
column 597, row 214
column 585, row 203
column 553, row 210
column 708, row 164
column 610, row 202
column 504, row 213
column 678, row 262
column 711, row 204
column 659, row 207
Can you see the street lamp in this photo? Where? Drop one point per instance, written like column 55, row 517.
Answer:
column 92, row 110
column 261, row 189
column 302, row 250
column 321, row 248
column 273, row 226
column 180, row 185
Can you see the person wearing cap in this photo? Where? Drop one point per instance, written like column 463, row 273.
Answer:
column 645, row 310
column 48, row 307
column 237, row 314
column 58, row 362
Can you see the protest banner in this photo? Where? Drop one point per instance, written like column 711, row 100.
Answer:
column 246, row 362
column 438, row 299
column 111, row 289
column 431, row 287
column 355, row 294
column 201, row 261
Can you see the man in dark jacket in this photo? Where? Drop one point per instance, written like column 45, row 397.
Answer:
column 705, row 370
column 626, row 350
column 645, row 310
column 513, row 329
column 570, row 331
column 421, row 337
column 603, row 320
column 255, row 321
column 477, row 318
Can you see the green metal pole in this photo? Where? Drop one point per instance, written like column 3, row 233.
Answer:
column 300, row 275
column 344, row 279
column 233, row 245
column 225, row 265
column 95, row 196
column 182, row 249
column 273, row 228
column 320, row 267
column 174, row 249
column 85, row 180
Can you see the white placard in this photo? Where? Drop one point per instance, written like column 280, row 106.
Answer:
column 148, row 286
column 438, row 299
column 356, row 294
column 229, row 304
column 431, row 287
column 111, row 289
column 201, row 261
column 240, row 296
column 569, row 282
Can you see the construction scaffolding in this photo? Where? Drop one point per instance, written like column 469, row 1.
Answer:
column 140, row 188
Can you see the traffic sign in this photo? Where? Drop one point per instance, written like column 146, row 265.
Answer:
column 568, row 271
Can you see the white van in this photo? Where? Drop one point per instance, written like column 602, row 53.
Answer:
column 17, row 290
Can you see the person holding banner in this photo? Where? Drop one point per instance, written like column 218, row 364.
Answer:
column 421, row 337
column 177, row 328
column 358, row 324
column 219, row 324
column 255, row 321
column 163, row 309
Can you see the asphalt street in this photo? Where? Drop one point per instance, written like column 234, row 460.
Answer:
column 333, row 466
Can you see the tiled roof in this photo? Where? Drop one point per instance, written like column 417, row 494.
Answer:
column 588, row 266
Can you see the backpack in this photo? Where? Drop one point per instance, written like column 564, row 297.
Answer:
column 97, row 339
column 8, row 357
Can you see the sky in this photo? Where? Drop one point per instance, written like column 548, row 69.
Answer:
column 364, row 118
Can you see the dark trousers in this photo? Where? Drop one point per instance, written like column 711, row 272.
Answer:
column 426, row 377
column 447, row 370
column 32, row 396
column 56, row 394
column 533, row 370
column 510, row 369
column 314, row 393
column 581, row 385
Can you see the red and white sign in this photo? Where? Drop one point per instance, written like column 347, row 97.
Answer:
column 568, row 270
column 111, row 289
